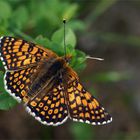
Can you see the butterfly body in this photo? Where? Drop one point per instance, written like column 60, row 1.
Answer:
column 46, row 75
column 47, row 85
column 51, row 72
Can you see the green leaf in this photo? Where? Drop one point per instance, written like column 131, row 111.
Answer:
column 58, row 37
column 2, row 89
column 1, row 65
column 6, row 101
column 82, row 131
column 70, row 50
column 20, row 17
column 57, row 48
column 76, row 25
column 78, row 61
column 2, row 82
column 70, row 11
column 44, row 41
column 4, row 24
column 5, row 10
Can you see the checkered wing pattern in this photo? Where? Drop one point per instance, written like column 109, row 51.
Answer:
column 84, row 107
column 17, row 83
column 17, row 54
column 50, row 109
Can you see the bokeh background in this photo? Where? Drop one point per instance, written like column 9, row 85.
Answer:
column 109, row 29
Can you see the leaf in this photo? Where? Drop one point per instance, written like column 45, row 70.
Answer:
column 1, row 65
column 5, row 10
column 45, row 42
column 78, row 62
column 58, row 37
column 20, row 17
column 70, row 50
column 2, row 82
column 82, row 131
column 70, row 11
column 76, row 25
column 6, row 101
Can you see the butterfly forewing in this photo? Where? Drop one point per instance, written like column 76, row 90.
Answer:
column 18, row 54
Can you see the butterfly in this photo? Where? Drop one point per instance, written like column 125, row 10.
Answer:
column 45, row 83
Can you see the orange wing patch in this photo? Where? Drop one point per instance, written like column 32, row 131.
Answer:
column 16, row 53
column 84, row 107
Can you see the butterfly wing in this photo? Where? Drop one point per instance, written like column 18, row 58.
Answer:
column 18, row 54
column 17, row 83
column 83, row 106
column 50, row 109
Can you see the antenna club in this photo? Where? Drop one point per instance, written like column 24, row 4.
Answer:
column 64, row 20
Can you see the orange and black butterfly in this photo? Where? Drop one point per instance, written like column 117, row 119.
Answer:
column 47, row 85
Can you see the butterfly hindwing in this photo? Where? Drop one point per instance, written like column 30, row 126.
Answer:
column 17, row 83
column 51, row 109
column 84, row 107
column 16, row 53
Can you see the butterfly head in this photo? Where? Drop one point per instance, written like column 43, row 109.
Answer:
column 67, row 58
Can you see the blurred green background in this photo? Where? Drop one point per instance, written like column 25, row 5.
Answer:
column 109, row 29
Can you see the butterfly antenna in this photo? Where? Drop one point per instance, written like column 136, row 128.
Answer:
column 94, row 58
column 64, row 21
